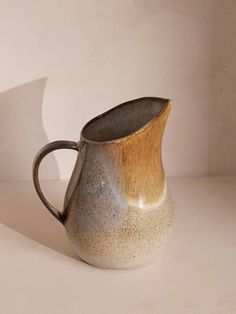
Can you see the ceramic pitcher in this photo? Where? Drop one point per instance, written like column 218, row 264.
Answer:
column 117, row 208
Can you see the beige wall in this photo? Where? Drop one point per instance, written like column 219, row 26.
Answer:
column 222, row 143
column 92, row 55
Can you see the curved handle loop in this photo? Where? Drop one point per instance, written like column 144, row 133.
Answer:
column 50, row 147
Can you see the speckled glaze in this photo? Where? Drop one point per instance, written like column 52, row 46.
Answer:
column 117, row 210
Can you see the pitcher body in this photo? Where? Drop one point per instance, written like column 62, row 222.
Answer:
column 118, row 211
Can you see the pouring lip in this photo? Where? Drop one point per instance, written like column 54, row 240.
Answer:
column 168, row 104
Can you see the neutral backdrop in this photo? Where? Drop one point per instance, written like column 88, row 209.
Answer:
column 64, row 62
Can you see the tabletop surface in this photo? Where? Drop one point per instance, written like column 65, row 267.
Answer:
column 195, row 273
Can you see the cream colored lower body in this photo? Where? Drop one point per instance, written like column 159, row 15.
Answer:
column 134, row 243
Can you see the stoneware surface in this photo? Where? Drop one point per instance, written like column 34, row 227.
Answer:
column 117, row 209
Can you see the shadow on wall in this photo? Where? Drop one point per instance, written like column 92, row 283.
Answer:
column 22, row 132
column 22, row 135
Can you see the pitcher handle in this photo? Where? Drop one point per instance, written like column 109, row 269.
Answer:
column 48, row 148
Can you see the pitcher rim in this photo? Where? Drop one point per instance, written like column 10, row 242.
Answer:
column 138, row 131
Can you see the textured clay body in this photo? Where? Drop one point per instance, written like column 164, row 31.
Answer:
column 117, row 210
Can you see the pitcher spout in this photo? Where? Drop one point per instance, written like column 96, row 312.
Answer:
column 145, row 183
column 125, row 120
column 129, row 138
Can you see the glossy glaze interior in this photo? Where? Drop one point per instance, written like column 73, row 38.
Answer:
column 118, row 209
column 124, row 119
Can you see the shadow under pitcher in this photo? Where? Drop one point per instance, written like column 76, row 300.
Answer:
column 117, row 208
